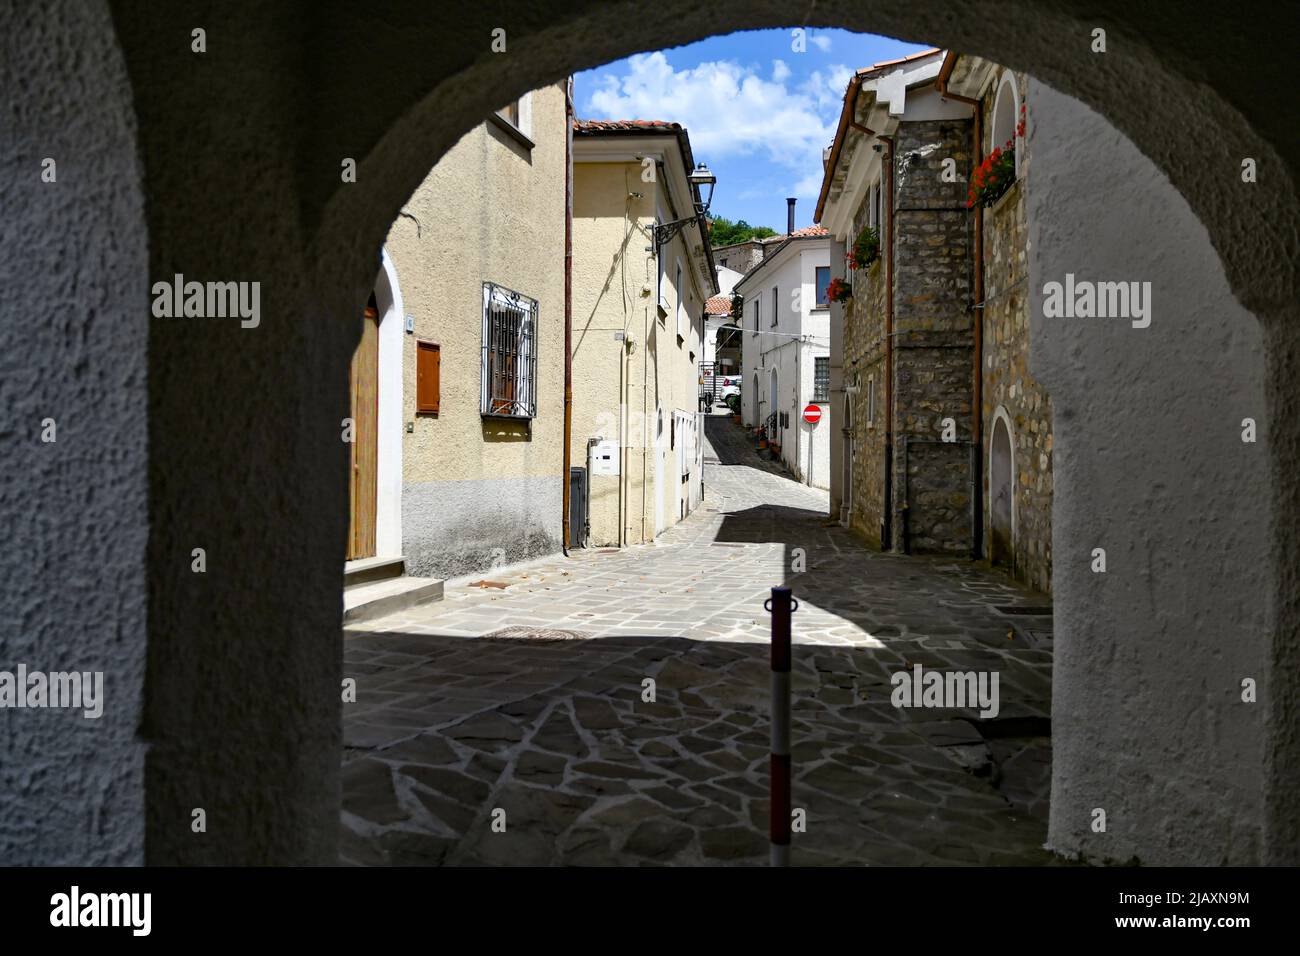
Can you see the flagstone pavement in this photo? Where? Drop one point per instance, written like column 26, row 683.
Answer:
column 516, row 725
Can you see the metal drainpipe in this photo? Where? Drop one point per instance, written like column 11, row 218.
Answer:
column 887, row 541
column 568, row 308
column 977, row 320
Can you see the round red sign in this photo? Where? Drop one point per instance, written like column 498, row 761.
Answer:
column 812, row 414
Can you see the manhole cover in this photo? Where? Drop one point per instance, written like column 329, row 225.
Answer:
column 521, row 633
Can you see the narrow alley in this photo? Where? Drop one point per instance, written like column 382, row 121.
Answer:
column 524, row 691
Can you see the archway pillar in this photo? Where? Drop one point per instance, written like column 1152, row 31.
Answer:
column 1148, row 724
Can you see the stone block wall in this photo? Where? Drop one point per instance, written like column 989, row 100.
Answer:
column 1007, row 383
column 864, row 365
column 934, row 338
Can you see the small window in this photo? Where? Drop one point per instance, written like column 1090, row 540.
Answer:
column 871, row 400
column 776, row 305
column 822, row 378
column 823, row 287
column 757, row 309
column 428, row 375
column 510, row 113
column 509, row 360
column 876, row 193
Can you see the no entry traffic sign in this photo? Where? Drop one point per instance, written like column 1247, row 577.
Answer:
column 812, row 414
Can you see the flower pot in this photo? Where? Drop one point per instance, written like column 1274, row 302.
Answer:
column 762, row 443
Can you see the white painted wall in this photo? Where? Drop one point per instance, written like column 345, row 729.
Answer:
column 392, row 318
column 791, row 346
column 727, row 279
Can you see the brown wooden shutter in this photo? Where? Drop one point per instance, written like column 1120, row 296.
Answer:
column 428, row 374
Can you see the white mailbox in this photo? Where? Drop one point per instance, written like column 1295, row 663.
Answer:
column 604, row 458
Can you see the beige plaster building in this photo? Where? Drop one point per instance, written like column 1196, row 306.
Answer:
column 458, row 385
column 638, row 326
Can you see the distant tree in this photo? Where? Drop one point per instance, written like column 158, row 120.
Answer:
column 724, row 232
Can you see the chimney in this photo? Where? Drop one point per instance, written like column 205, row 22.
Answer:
column 789, row 217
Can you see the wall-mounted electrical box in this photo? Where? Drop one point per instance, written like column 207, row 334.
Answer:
column 604, row 458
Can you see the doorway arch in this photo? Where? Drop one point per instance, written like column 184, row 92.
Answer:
column 1002, row 497
column 846, row 431
column 388, row 511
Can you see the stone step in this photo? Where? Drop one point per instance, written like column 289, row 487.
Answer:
column 372, row 599
column 373, row 569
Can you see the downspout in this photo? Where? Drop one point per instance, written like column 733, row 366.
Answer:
column 887, row 539
column 977, row 313
column 568, row 306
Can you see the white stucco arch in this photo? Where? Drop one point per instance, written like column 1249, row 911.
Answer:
column 1006, row 115
column 388, row 506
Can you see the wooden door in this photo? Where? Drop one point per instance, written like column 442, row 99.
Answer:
column 364, row 483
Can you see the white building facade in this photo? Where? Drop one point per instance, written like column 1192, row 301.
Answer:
column 786, row 352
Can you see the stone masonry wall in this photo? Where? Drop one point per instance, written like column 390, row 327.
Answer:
column 864, row 358
column 741, row 257
column 934, row 338
column 1007, row 383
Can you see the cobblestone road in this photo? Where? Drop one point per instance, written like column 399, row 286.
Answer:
column 529, row 699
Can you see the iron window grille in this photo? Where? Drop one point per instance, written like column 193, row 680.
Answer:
column 509, row 365
column 822, row 379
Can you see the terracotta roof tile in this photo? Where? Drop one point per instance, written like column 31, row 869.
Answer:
column 718, row 305
column 809, row 231
column 904, row 59
column 598, row 126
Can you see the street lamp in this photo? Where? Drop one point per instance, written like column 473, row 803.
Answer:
column 700, row 177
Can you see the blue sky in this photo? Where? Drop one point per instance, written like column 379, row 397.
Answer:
column 758, row 111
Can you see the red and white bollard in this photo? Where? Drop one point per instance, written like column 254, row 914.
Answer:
column 781, row 605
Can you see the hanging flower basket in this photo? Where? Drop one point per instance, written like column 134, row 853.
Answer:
column 866, row 249
column 839, row 291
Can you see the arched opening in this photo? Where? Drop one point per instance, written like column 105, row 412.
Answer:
column 388, row 509
column 1002, row 503
column 212, row 216
column 850, row 399
column 1006, row 117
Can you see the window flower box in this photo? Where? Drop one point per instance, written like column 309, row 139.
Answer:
column 866, row 249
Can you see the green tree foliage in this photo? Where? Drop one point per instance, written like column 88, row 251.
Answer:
column 723, row 232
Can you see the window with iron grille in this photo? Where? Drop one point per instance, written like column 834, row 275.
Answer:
column 509, row 380
column 822, row 378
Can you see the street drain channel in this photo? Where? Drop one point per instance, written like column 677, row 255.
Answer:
column 522, row 633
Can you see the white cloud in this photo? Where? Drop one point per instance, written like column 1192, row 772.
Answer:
column 821, row 41
column 731, row 111
column 826, row 87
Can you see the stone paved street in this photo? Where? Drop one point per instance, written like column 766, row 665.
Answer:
column 528, row 698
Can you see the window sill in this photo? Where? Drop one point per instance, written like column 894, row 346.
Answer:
column 511, row 130
column 1001, row 200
